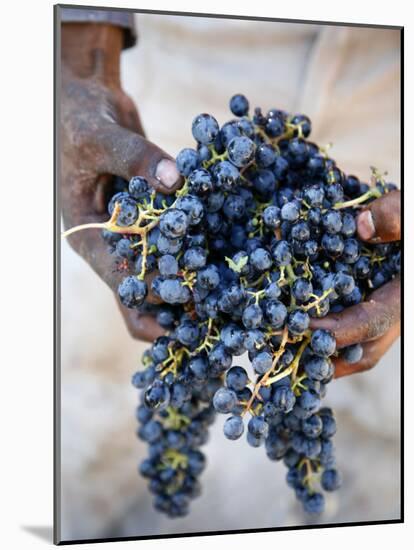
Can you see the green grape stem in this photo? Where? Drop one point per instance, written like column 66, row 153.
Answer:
column 318, row 300
column 263, row 380
column 292, row 368
column 175, row 459
column 373, row 193
column 309, row 476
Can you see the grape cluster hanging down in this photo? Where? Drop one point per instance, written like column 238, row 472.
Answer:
column 260, row 239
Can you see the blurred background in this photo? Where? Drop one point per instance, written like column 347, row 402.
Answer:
column 348, row 81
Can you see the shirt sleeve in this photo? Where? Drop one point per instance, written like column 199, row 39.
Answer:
column 119, row 18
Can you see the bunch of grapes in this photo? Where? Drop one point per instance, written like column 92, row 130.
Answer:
column 260, row 239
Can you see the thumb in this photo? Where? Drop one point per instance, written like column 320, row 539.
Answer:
column 380, row 222
column 127, row 154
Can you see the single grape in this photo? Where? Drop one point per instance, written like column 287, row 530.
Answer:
column 205, row 128
column 233, row 427
column 353, row 354
column 239, row 105
column 132, row 292
column 224, row 400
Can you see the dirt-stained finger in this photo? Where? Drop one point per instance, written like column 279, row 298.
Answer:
column 141, row 327
column 366, row 321
column 380, row 221
column 125, row 153
column 373, row 351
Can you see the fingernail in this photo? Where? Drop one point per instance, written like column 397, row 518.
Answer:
column 365, row 224
column 167, row 173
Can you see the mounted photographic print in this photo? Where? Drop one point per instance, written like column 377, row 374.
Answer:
column 228, row 274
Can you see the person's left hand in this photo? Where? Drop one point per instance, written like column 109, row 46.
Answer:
column 374, row 323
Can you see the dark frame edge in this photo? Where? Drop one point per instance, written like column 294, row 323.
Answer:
column 402, row 338
column 56, row 256
column 231, row 16
column 234, row 532
column 56, row 284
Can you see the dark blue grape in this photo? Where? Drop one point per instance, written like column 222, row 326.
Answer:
column 282, row 253
column 138, row 186
column 331, row 480
column 309, row 402
column 343, row 284
column 241, row 151
column 157, row 396
column 234, row 207
column 224, row 400
column 284, row 399
column 317, row 368
column 302, row 289
column 258, row 427
column 353, row 354
column 323, row 343
column 262, row 362
column 173, row 223
column 123, row 249
column 132, row 292
column 233, row 427
column 351, row 251
column 208, row 277
column 314, row 504
column 205, row 128
column 276, row 313
column 312, row 426
column 128, row 213
column 192, row 207
column 236, row 378
column 274, row 126
column 271, row 217
column 172, row 291
column 290, row 211
column 300, row 231
column 252, row 317
column 261, row 259
column 333, row 244
column 168, row 266
column 195, row 258
column 225, row 175
column 239, row 105
column 265, row 155
column 332, row 221
column 298, row 322
column 187, row 160
column 200, row 181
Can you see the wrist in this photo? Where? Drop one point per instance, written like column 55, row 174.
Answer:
column 93, row 51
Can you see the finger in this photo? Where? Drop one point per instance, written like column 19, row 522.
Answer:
column 127, row 154
column 142, row 327
column 380, row 222
column 91, row 246
column 366, row 321
column 94, row 250
column 373, row 351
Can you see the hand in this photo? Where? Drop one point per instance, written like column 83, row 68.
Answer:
column 101, row 137
column 374, row 323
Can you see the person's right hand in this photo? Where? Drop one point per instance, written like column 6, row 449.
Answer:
column 101, row 136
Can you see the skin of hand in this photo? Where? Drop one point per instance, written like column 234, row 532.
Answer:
column 101, row 136
column 374, row 323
